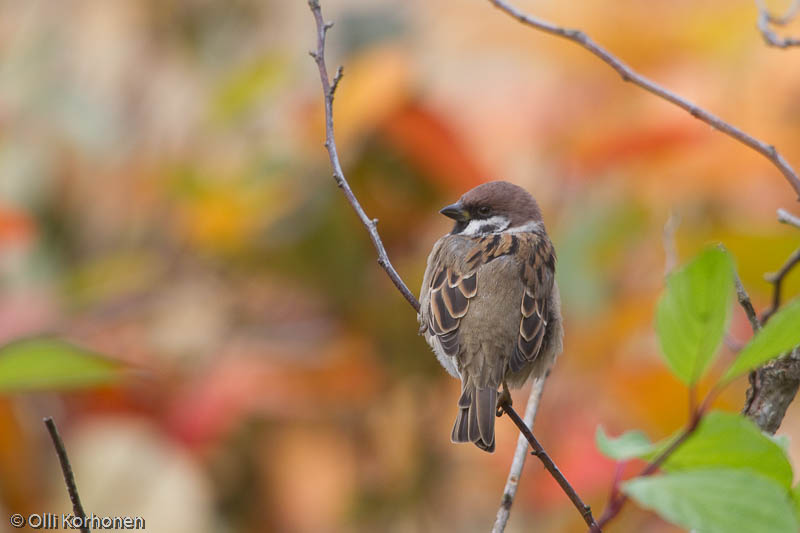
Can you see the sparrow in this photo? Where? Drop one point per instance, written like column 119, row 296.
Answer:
column 489, row 302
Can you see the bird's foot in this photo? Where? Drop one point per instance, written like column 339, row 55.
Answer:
column 503, row 400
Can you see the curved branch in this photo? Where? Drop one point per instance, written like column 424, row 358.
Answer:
column 648, row 85
column 765, row 18
column 784, row 19
column 66, row 470
column 329, row 90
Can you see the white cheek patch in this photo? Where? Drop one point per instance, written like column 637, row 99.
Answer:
column 493, row 224
column 527, row 227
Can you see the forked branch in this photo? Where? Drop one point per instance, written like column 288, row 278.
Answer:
column 328, row 89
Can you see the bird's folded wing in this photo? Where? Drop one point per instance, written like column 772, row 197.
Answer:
column 538, row 274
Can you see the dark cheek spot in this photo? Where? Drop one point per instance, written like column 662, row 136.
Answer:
column 489, row 228
column 458, row 228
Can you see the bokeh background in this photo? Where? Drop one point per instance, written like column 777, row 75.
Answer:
column 165, row 199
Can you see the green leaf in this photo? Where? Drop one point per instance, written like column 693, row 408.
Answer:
column 627, row 446
column 693, row 312
column 731, row 440
column 796, row 499
column 47, row 364
column 717, row 501
column 779, row 335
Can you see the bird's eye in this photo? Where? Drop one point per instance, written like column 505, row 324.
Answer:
column 484, row 210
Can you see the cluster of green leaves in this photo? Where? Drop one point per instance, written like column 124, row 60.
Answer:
column 50, row 364
column 727, row 476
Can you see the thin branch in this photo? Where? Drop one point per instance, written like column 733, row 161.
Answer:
column 328, row 90
column 786, row 217
column 747, row 305
column 550, row 466
column 619, row 499
column 774, row 385
column 520, row 454
column 628, row 74
column 66, row 469
column 765, row 18
column 776, row 278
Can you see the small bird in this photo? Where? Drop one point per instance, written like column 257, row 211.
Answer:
column 489, row 303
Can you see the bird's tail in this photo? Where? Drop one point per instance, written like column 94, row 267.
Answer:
column 476, row 413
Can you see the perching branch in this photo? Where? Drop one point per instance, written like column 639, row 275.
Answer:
column 520, row 454
column 66, row 469
column 648, row 85
column 765, row 18
column 551, row 467
column 328, row 90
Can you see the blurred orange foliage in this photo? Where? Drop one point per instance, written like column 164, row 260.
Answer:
column 165, row 198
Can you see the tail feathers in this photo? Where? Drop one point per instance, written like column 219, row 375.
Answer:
column 475, row 420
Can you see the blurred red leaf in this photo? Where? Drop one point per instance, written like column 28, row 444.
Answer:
column 428, row 141
column 16, row 227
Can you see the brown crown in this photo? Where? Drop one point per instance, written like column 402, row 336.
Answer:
column 504, row 199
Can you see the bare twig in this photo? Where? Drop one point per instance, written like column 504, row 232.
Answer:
column 787, row 218
column 550, row 466
column 774, row 386
column 744, row 300
column 765, row 18
column 776, row 278
column 747, row 305
column 328, row 89
column 66, row 469
column 520, row 454
column 630, row 75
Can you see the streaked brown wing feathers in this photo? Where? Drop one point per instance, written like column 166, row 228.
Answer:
column 537, row 274
column 452, row 286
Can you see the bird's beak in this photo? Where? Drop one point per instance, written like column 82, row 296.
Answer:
column 455, row 211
